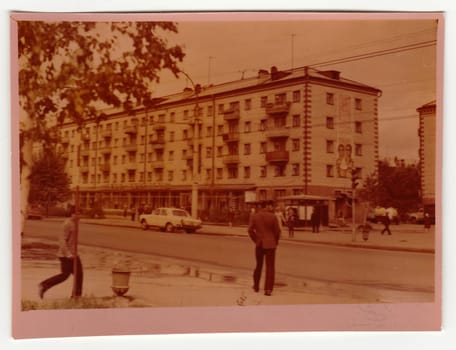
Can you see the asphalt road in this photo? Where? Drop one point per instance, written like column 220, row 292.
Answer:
column 379, row 269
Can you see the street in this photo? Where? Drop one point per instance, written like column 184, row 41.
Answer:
column 380, row 274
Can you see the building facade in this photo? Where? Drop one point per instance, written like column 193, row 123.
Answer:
column 427, row 153
column 281, row 133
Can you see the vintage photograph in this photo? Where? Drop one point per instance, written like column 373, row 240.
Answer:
column 246, row 161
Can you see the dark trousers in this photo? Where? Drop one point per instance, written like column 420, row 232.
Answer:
column 315, row 227
column 66, row 267
column 267, row 255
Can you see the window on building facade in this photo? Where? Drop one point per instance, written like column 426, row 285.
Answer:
column 209, row 111
column 279, row 170
column 247, row 126
column 329, row 170
column 114, row 160
column 151, row 120
column 295, row 169
column 248, row 104
column 263, row 171
column 159, row 154
column 330, row 122
column 280, row 98
column 296, row 121
column 141, row 176
column 172, row 117
column 161, row 118
column 359, row 172
column 219, row 173
column 329, row 98
column 171, row 155
column 208, row 152
column 141, row 157
column 122, row 177
column 184, row 175
column 149, row 176
column 358, row 149
column 208, row 174
column 247, row 149
column 186, row 114
column 295, row 144
column 232, row 172
column 246, row 172
column 263, row 147
column 262, row 125
column 358, row 127
column 221, row 108
column 131, row 176
column 329, row 146
column 279, row 194
column 296, row 96
column 263, row 101
column 358, row 104
column 149, row 157
column 114, row 178
column 170, row 175
column 142, row 140
column 219, row 151
column 209, row 131
column 262, row 195
column 185, row 134
column 159, row 175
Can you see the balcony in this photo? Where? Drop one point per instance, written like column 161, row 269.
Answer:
column 132, row 129
column 231, row 114
column 132, row 147
column 84, row 169
column 105, row 150
column 107, row 134
column 280, row 132
column 277, row 156
column 158, row 164
column 157, row 142
column 231, row 159
column 159, row 126
column 105, row 167
column 65, row 140
column 278, row 108
column 231, row 137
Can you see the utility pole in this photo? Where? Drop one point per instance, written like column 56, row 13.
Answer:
column 354, row 183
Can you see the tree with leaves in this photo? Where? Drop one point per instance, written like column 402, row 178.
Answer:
column 68, row 70
column 49, row 183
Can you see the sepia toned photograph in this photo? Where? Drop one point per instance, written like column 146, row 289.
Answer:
column 177, row 166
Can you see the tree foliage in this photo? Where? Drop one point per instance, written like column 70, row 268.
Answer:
column 397, row 186
column 49, row 183
column 66, row 69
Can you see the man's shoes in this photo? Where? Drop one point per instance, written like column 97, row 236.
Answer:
column 256, row 289
column 268, row 293
column 41, row 291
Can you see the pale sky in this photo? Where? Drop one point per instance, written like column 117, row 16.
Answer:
column 218, row 51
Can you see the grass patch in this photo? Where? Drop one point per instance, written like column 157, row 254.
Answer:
column 84, row 302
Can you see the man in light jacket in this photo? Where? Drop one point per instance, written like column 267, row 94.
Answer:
column 264, row 231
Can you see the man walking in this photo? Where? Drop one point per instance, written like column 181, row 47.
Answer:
column 265, row 233
column 66, row 255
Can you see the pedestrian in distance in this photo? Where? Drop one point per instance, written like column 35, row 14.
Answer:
column 315, row 221
column 427, row 222
column 291, row 222
column 265, row 233
column 386, row 224
column 67, row 255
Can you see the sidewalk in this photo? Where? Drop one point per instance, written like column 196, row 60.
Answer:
column 406, row 237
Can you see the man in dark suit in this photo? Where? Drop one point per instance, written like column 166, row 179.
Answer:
column 264, row 231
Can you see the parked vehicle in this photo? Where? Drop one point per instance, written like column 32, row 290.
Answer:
column 169, row 220
column 376, row 215
column 416, row 217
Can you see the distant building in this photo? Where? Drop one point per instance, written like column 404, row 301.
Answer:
column 427, row 134
column 277, row 134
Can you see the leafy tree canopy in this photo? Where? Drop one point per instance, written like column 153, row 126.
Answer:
column 66, row 69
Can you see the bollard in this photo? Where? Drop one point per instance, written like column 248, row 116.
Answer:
column 120, row 279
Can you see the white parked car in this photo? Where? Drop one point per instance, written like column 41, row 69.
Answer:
column 169, row 220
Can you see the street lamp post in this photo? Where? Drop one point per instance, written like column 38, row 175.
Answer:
column 196, row 135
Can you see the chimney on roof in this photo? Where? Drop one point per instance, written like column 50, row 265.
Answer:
column 263, row 73
column 332, row 74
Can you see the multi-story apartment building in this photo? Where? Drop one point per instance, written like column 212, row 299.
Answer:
column 278, row 134
column 427, row 153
